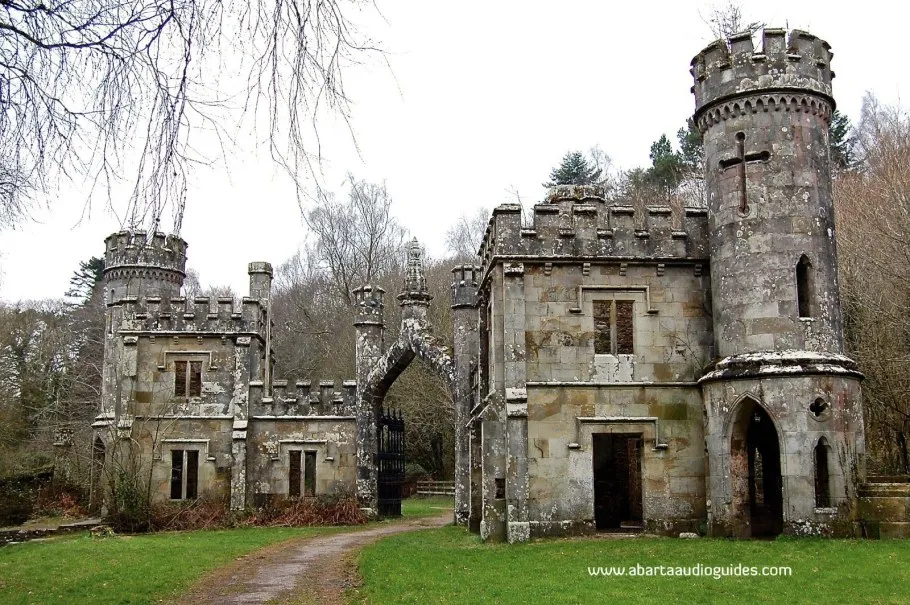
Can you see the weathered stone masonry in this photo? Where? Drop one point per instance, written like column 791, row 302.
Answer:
column 722, row 402
column 226, row 429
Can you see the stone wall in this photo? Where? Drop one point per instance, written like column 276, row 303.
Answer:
column 561, row 421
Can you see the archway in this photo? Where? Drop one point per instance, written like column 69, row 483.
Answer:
column 377, row 370
column 755, row 472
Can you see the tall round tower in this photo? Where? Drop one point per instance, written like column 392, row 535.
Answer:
column 136, row 265
column 764, row 116
column 783, row 405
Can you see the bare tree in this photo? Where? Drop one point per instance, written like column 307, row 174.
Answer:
column 872, row 205
column 358, row 240
column 728, row 19
column 463, row 239
column 109, row 90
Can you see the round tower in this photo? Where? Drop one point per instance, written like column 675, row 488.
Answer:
column 764, row 116
column 783, row 406
column 136, row 265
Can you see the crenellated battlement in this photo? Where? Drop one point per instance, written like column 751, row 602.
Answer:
column 465, row 279
column 135, row 250
column 179, row 314
column 307, row 398
column 798, row 63
column 592, row 230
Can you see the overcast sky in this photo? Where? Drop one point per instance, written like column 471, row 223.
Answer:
column 484, row 98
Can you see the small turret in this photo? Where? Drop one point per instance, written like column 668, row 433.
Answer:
column 137, row 265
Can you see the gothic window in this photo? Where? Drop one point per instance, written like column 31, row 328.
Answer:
column 804, row 286
column 184, row 474
column 187, row 378
column 614, row 327
column 822, row 477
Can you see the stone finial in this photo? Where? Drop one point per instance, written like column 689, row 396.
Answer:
column 415, row 289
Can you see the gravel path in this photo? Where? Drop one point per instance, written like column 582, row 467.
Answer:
column 307, row 570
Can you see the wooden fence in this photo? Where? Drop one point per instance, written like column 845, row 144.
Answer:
column 435, row 488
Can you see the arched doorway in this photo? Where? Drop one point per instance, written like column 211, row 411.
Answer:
column 755, row 473
column 380, row 459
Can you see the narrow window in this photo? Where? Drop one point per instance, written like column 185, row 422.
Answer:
column 309, row 474
column 176, row 474
column 195, row 379
column 192, row 474
column 614, row 325
column 294, row 474
column 624, row 328
column 602, row 320
column 184, row 474
column 822, row 478
column 804, row 286
column 180, row 378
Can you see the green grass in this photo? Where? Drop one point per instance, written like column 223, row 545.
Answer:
column 451, row 566
column 430, row 506
column 125, row 569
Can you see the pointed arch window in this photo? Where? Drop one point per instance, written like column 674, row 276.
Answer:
column 805, row 288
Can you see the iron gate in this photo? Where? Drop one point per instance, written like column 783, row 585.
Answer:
column 390, row 435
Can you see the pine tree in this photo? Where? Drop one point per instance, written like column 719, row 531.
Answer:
column 574, row 170
column 691, row 146
column 840, row 141
column 666, row 165
column 86, row 279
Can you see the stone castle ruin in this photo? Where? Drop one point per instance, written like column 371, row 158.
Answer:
column 610, row 371
column 678, row 379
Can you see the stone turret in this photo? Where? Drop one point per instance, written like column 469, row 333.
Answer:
column 783, row 406
column 138, row 265
column 764, row 115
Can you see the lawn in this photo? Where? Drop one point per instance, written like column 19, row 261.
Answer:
column 125, row 569
column 141, row 569
column 431, row 506
column 450, row 565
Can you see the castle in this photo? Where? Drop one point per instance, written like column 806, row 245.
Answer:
column 677, row 378
column 610, row 371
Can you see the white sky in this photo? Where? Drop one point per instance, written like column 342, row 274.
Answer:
column 485, row 97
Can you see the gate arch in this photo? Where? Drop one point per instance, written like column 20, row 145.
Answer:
column 377, row 369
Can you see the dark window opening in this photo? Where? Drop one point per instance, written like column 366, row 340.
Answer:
column 294, row 474
column 822, row 477
column 192, row 474
column 309, row 474
column 188, row 378
column 500, row 484
column 184, row 474
column 176, row 474
column 614, row 327
column 804, row 286
column 624, row 336
column 818, row 407
column 180, row 378
column 602, row 320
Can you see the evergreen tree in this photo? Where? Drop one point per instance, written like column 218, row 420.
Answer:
column 575, row 169
column 666, row 165
column 691, row 146
column 840, row 141
column 86, row 279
